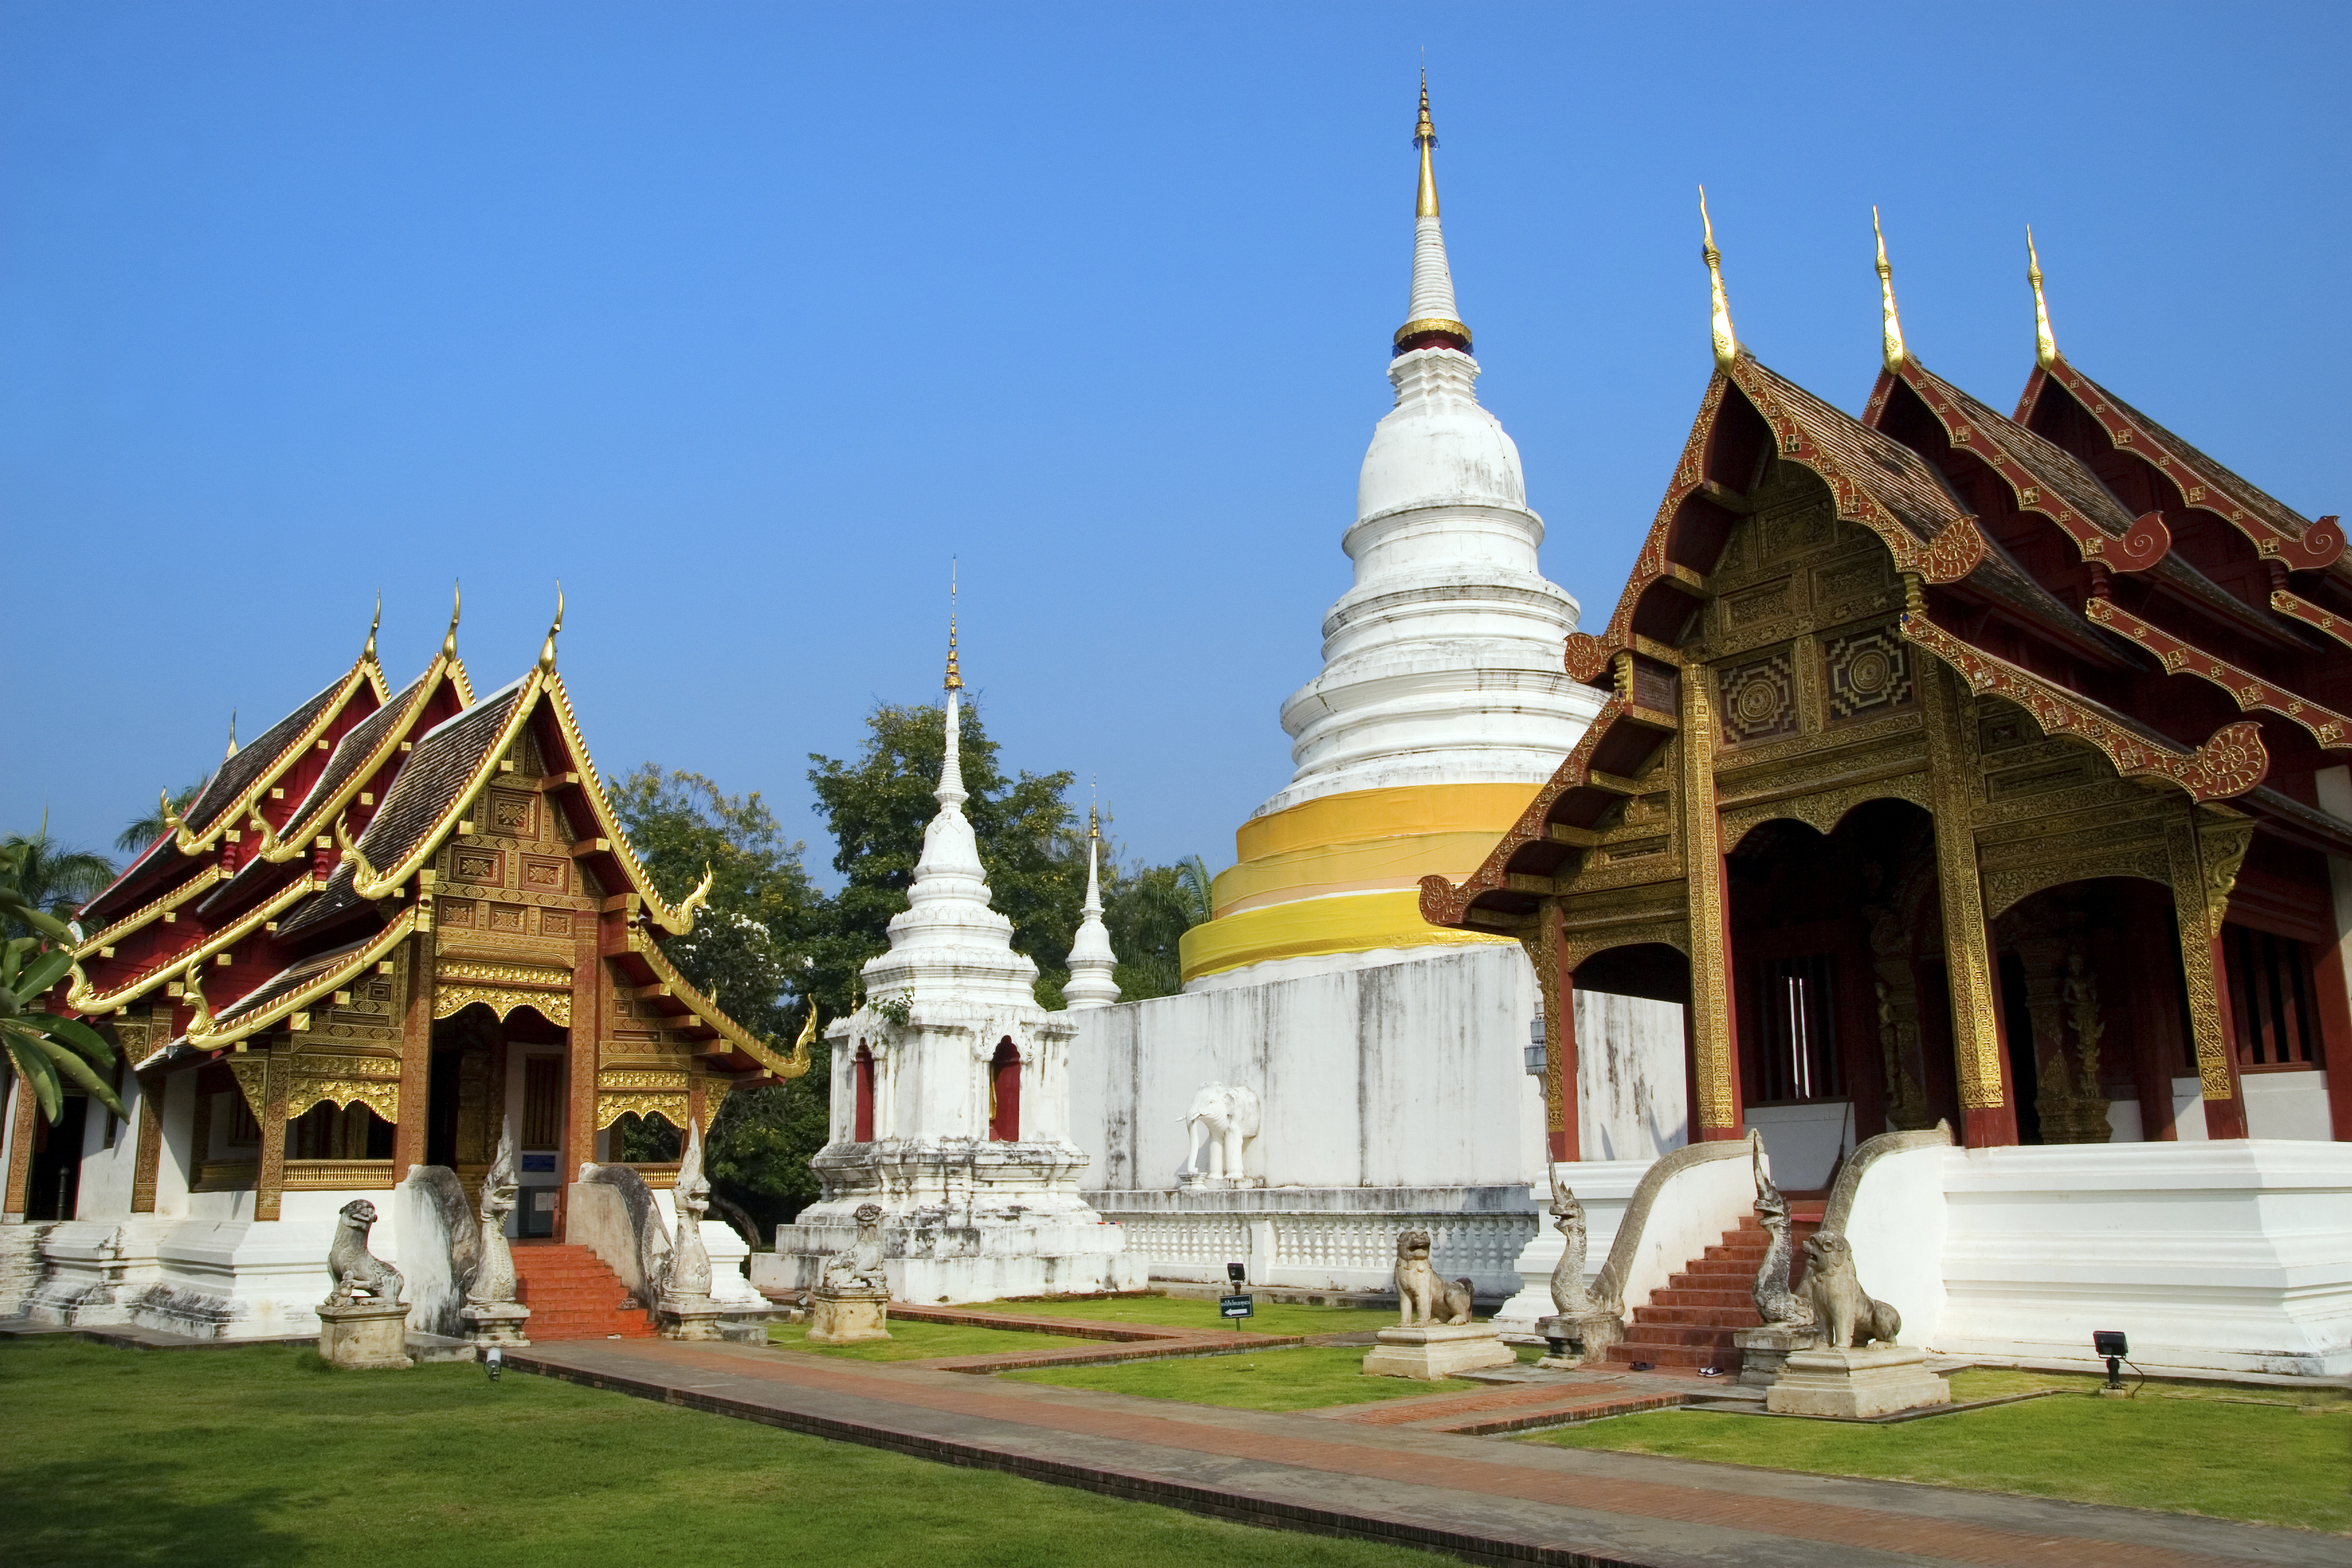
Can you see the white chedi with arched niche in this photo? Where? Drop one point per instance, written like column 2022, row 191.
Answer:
column 969, row 1154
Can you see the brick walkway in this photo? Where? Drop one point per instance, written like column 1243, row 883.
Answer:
column 1479, row 1499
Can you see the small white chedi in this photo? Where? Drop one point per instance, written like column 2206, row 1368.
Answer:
column 950, row 1102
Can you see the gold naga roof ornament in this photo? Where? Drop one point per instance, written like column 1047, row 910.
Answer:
column 1727, row 343
column 797, row 1063
column 547, row 648
column 2046, row 343
column 1892, row 351
column 268, row 835
column 373, row 627
column 698, row 898
column 365, row 881
column 457, row 605
column 191, row 988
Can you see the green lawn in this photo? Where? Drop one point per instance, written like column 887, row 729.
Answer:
column 261, row 1456
column 2184, row 1448
column 911, row 1340
column 1306, row 1377
column 1188, row 1312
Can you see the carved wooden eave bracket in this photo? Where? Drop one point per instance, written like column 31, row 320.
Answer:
column 2231, row 761
column 2320, row 545
column 2296, row 607
column 2332, row 729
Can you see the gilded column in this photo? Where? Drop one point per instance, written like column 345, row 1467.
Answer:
column 420, row 955
column 1714, row 1022
column 1977, row 1043
column 1557, row 996
column 269, row 1187
column 2205, row 849
column 149, row 1154
column 21, row 1112
column 588, row 1005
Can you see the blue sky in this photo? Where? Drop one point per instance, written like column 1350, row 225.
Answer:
column 742, row 320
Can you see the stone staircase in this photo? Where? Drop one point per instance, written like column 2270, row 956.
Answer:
column 1688, row 1325
column 572, row 1296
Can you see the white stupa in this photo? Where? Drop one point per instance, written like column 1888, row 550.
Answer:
column 951, row 1101
column 1092, row 960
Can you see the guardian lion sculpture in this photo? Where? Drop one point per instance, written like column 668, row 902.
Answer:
column 1845, row 1312
column 359, row 1273
column 1422, row 1296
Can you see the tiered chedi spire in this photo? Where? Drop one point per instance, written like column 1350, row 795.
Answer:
column 1442, row 665
column 950, row 944
column 1091, row 959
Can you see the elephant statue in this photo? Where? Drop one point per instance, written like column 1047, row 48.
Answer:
column 1223, row 1118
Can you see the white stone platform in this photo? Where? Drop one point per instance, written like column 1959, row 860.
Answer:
column 1434, row 1352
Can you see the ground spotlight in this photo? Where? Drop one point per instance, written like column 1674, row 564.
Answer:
column 2111, row 1343
column 494, row 1362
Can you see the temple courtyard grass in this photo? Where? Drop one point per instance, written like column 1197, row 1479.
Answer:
column 259, row 1457
column 1197, row 1312
column 913, row 1341
column 1306, row 1377
column 2266, row 1455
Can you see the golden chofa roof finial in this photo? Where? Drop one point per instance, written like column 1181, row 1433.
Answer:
column 547, row 648
column 1727, row 344
column 2046, row 343
column 1892, row 351
column 1424, row 136
column 456, row 604
column 955, row 675
column 373, row 627
column 232, row 735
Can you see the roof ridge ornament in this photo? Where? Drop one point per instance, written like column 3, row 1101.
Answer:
column 1727, row 343
column 2046, row 343
column 232, row 736
column 547, row 648
column 373, row 627
column 1892, row 352
column 456, row 604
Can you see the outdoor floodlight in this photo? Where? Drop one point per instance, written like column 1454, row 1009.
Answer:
column 1237, row 1272
column 1536, row 1047
column 2111, row 1343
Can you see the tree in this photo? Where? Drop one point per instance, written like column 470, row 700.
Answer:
column 42, row 1047
column 55, row 881
column 141, row 831
column 1148, row 911
column 878, row 807
column 750, row 952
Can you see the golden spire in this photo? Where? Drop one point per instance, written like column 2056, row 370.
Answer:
column 373, row 626
column 2046, row 343
column 1424, row 136
column 1892, row 351
column 1727, row 345
column 456, row 602
column 955, row 676
column 232, row 736
column 547, row 648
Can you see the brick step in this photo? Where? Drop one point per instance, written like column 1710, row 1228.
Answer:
column 1691, row 1296
column 573, row 1296
column 1713, row 1317
column 1623, row 1355
column 1679, row 1334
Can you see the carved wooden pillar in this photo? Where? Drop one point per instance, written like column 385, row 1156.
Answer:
column 1714, row 1112
column 1978, row 1046
column 149, row 1154
column 1556, row 996
column 420, row 954
column 21, row 1111
column 2205, row 849
column 269, row 1187
column 587, row 1028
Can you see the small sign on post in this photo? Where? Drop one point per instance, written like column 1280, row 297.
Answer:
column 1235, row 1306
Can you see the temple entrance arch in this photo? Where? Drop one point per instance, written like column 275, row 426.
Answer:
column 489, row 1068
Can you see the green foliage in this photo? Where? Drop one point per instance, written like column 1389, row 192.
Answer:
column 141, row 831
column 1148, row 911
column 1201, row 1312
column 46, row 1051
column 1291, row 1377
column 2268, row 1454
column 913, row 1341
column 45, row 877
column 255, row 1458
column 878, row 807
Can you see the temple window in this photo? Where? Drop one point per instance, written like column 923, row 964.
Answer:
column 863, row 1132
column 2272, row 999
column 1005, row 1094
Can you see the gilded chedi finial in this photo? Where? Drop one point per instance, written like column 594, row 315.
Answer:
column 1892, row 352
column 2046, row 343
column 1424, row 136
column 456, row 604
column 955, row 675
column 547, row 648
column 1433, row 321
column 1727, row 343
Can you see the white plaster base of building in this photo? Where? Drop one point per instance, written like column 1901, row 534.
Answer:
column 1341, row 1239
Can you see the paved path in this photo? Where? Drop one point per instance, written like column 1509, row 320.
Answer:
column 1478, row 1498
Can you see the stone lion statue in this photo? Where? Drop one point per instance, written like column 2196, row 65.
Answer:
column 359, row 1273
column 1223, row 1119
column 860, row 1267
column 1845, row 1312
column 1422, row 1296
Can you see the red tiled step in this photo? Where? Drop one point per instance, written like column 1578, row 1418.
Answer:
column 572, row 1296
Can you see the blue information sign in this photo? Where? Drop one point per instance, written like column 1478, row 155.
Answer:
column 1235, row 1306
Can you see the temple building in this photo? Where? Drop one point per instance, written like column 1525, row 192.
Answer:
column 389, row 925
column 951, row 1097
column 1385, row 1054
column 1991, row 771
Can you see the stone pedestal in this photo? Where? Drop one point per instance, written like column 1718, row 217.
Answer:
column 1763, row 1351
column 495, row 1323
column 1586, row 1338
column 848, row 1316
column 1436, row 1351
column 364, row 1335
column 688, row 1317
column 1855, row 1383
